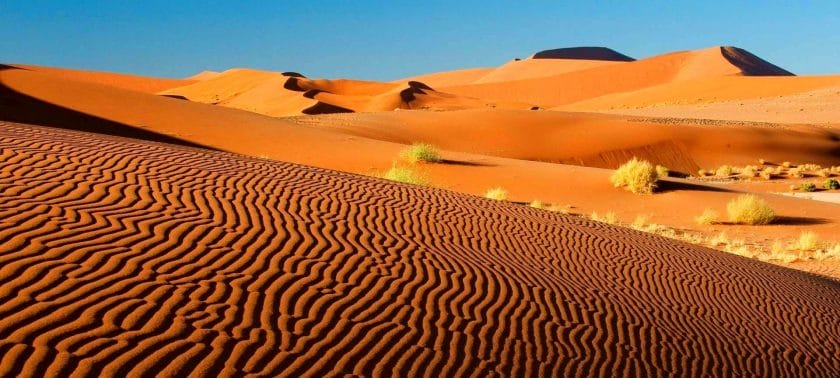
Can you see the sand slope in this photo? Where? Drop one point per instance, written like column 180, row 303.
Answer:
column 128, row 258
column 283, row 94
column 620, row 77
column 589, row 139
column 124, row 81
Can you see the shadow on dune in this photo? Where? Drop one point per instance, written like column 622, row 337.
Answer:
column 465, row 163
column 799, row 221
column 671, row 186
column 22, row 108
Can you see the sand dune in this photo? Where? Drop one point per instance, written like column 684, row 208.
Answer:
column 621, row 77
column 284, row 94
column 124, row 81
column 204, row 75
column 131, row 258
column 589, row 139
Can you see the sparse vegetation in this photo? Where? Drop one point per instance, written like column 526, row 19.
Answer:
column 749, row 209
column 831, row 184
column 662, row 172
column 808, row 187
column 497, row 193
column 537, row 204
column 405, row 175
column 808, row 241
column 638, row 176
column 795, row 173
column 708, row 217
column 420, row 152
column 724, row 171
column 609, row 217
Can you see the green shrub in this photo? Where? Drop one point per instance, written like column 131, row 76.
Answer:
column 420, row 152
column 831, row 184
column 749, row 209
column 808, row 187
column 405, row 175
column 638, row 176
column 497, row 193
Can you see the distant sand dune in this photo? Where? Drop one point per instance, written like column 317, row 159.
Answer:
column 129, row 258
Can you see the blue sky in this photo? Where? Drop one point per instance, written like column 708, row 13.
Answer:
column 392, row 39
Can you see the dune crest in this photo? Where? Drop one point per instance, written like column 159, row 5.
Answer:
column 584, row 53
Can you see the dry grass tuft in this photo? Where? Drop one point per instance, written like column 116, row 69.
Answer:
column 638, row 176
column 497, row 193
column 420, row 152
column 708, row 217
column 405, row 175
column 749, row 209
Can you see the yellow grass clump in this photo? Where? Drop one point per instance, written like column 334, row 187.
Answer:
column 638, row 176
column 497, row 193
column 537, row 204
column 749, row 209
column 405, row 175
column 662, row 172
column 808, row 241
column 420, row 152
column 708, row 217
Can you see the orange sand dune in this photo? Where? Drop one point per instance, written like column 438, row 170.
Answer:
column 277, row 94
column 621, row 77
column 34, row 97
column 127, row 258
column 204, row 75
column 535, row 68
column 133, row 82
column 589, row 139
column 252, row 90
column 449, row 78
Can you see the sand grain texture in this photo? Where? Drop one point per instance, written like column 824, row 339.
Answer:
column 128, row 258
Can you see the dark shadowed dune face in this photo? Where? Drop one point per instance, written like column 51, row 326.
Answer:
column 588, row 53
column 751, row 64
column 125, row 258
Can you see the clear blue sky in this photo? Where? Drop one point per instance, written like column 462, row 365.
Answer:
column 393, row 39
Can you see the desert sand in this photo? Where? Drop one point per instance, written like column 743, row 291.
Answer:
column 235, row 222
column 120, row 258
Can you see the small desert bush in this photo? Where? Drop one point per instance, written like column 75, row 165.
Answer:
column 638, row 176
column 786, row 164
column 662, row 171
column 749, row 171
column 795, row 173
column 640, row 222
column 405, row 175
column 810, row 167
column 825, row 172
column 420, row 152
column 767, row 173
column 609, row 217
column 808, row 187
column 831, row 184
column 724, row 171
column 808, row 241
column 708, row 216
column 762, row 161
column 497, row 193
column 749, row 209
column 537, row 204
column 702, row 173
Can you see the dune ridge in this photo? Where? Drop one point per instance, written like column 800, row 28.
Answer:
column 126, row 258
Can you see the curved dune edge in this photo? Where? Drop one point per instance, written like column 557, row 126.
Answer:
column 127, row 258
column 285, row 94
column 136, row 83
